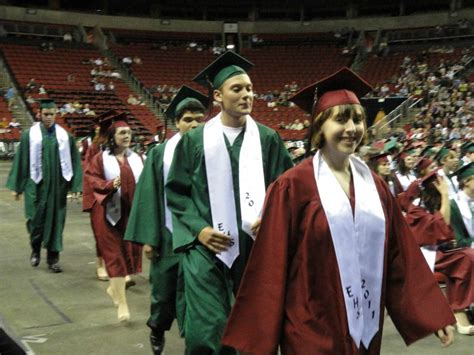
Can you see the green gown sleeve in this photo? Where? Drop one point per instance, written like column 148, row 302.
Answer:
column 76, row 182
column 457, row 224
column 187, row 221
column 279, row 158
column 146, row 220
column 20, row 170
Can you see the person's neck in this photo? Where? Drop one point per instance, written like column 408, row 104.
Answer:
column 446, row 170
column 231, row 121
column 120, row 152
column 336, row 162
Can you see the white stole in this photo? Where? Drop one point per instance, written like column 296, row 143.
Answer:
column 462, row 201
column 359, row 242
column 36, row 151
column 221, row 187
column 111, row 171
column 167, row 160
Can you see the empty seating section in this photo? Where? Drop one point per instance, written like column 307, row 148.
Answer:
column 52, row 69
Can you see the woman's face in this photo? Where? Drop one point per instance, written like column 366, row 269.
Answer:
column 123, row 137
column 383, row 168
column 409, row 161
column 342, row 135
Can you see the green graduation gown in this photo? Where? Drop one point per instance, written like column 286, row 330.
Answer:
column 457, row 223
column 45, row 202
column 146, row 225
column 209, row 285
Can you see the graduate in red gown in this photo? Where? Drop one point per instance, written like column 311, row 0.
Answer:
column 381, row 166
column 431, row 228
column 333, row 249
column 93, row 147
column 113, row 175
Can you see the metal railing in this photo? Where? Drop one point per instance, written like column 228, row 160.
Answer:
column 399, row 113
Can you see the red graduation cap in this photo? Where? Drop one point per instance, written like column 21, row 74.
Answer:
column 112, row 118
column 379, row 158
column 341, row 88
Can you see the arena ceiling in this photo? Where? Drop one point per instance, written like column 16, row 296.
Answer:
column 244, row 10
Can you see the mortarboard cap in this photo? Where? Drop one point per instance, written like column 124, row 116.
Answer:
column 390, row 144
column 182, row 98
column 429, row 178
column 47, row 103
column 464, row 172
column 423, row 163
column 467, row 147
column 427, row 151
column 441, row 153
column 112, row 117
column 379, row 158
column 224, row 67
column 342, row 87
column 406, row 152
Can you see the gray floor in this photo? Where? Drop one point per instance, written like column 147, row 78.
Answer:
column 70, row 313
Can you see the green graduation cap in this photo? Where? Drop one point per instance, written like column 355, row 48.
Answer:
column 47, row 103
column 427, row 151
column 467, row 147
column 184, row 96
column 224, row 67
column 390, row 144
column 464, row 172
column 441, row 154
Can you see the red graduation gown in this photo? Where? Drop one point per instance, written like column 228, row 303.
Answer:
column 121, row 257
column 458, row 265
column 291, row 293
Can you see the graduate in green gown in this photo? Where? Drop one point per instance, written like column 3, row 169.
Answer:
column 150, row 220
column 46, row 166
column 462, row 207
column 215, row 189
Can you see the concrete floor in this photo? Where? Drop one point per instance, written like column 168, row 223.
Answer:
column 70, row 313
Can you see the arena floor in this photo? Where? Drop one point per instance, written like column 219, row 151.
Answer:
column 70, row 313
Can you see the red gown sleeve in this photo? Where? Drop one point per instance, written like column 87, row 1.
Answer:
column 255, row 323
column 95, row 178
column 413, row 298
column 428, row 228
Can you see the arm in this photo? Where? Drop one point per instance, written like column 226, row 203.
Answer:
column 187, row 219
column 20, row 170
column 443, row 190
column 279, row 160
column 76, row 182
column 94, row 175
column 255, row 323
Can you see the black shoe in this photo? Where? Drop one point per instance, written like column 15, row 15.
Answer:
column 157, row 342
column 56, row 268
column 35, row 258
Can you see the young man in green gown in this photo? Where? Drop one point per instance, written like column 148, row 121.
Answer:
column 150, row 221
column 46, row 166
column 215, row 189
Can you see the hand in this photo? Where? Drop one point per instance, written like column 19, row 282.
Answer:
column 117, row 183
column 441, row 186
column 446, row 335
column 213, row 240
column 16, row 196
column 149, row 251
column 256, row 226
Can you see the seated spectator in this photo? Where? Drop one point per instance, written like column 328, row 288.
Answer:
column 42, row 90
column 71, row 78
column 30, row 100
column 14, row 124
column 296, row 125
column 31, row 84
column 127, row 61
column 111, row 86
column 99, row 62
column 137, row 60
column 67, row 37
column 132, row 100
column 4, row 122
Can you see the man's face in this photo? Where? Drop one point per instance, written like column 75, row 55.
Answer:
column 236, row 96
column 48, row 116
column 189, row 121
